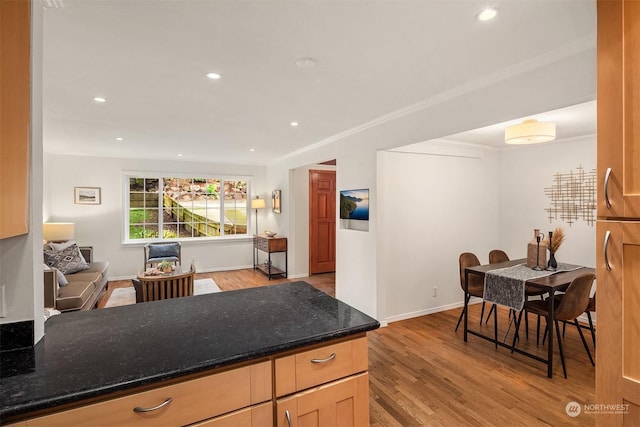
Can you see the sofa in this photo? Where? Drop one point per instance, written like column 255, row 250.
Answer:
column 84, row 288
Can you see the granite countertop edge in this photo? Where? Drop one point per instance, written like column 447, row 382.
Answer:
column 23, row 407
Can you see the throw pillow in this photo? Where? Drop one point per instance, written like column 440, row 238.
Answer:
column 62, row 281
column 68, row 260
column 61, row 245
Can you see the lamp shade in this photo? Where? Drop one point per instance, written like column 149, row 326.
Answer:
column 530, row 132
column 58, row 231
column 257, row 204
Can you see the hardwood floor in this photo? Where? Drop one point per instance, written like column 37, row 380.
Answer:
column 422, row 373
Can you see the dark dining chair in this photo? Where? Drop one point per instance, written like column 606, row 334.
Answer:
column 476, row 284
column 573, row 303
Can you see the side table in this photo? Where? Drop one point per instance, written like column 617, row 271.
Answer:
column 269, row 245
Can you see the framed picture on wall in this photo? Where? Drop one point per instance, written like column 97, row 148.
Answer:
column 87, row 195
column 275, row 199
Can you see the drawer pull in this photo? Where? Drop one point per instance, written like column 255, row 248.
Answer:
column 607, row 175
column 155, row 408
column 288, row 415
column 333, row 356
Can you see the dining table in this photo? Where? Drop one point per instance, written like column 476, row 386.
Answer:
column 550, row 282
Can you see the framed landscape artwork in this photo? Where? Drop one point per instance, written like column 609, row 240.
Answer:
column 87, row 195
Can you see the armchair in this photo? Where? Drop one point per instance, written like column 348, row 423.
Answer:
column 162, row 251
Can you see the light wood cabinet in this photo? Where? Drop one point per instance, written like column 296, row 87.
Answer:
column 15, row 27
column 618, row 227
column 339, row 403
column 177, row 404
column 324, row 386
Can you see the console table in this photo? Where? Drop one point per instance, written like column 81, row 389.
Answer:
column 269, row 245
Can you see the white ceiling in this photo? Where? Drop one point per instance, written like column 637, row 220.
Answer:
column 373, row 59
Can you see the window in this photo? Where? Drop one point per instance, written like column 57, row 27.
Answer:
column 172, row 208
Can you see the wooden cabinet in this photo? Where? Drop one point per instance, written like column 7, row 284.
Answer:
column 324, row 386
column 269, row 245
column 340, row 403
column 618, row 109
column 182, row 403
column 15, row 73
column 618, row 227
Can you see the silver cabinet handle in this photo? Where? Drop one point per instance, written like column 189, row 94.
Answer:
column 288, row 415
column 155, row 408
column 607, row 235
column 607, row 175
column 333, row 356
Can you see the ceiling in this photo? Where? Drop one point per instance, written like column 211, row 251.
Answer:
column 371, row 60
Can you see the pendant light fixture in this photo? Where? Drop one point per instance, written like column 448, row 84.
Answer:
column 530, row 132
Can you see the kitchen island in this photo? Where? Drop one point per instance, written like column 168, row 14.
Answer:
column 115, row 363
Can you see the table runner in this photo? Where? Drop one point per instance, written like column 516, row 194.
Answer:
column 506, row 286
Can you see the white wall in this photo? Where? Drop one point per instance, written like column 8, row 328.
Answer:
column 432, row 208
column 525, row 173
column 101, row 226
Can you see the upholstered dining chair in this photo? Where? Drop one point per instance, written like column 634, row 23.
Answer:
column 476, row 284
column 155, row 253
column 497, row 255
column 590, row 308
column 573, row 303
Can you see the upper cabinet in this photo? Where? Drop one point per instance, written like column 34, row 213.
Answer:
column 618, row 109
column 14, row 117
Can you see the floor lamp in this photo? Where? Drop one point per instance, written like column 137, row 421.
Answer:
column 256, row 204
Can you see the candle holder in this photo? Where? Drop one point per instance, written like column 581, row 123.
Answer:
column 537, row 267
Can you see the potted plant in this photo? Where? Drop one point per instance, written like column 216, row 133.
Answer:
column 165, row 266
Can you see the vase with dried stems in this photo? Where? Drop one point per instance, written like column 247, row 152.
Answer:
column 556, row 238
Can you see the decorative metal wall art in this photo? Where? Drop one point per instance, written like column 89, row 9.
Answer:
column 573, row 196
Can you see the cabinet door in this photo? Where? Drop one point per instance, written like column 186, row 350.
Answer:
column 15, row 53
column 255, row 416
column 342, row 403
column 618, row 328
column 618, row 109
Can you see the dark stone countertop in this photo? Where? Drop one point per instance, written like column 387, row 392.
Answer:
column 93, row 353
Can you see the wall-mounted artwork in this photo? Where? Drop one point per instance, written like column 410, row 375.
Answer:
column 87, row 195
column 275, row 199
column 354, row 204
column 573, row 196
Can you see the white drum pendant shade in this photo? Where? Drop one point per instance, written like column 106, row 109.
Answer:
column 530, row 132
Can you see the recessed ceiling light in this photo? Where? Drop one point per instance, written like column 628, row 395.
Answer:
column 305, row 62
column 99, row 99
column 487, row 14
column 294, row 124
column 252, row 149
column 119, row 139
column 179, row 155
column 213, row 76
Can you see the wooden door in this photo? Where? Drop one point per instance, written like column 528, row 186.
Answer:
column 618, row 328
column 322, row 221
column 618, row 108
column 343, row 403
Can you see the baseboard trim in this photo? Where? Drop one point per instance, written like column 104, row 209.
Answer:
column 431, row 310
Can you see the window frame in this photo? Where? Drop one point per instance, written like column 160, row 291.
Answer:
column 127, row 175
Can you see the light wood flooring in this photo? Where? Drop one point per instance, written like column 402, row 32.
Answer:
column 422, row 373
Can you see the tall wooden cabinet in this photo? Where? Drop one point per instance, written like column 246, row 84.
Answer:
column 15, row 27
column 618, row 227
